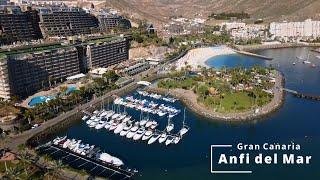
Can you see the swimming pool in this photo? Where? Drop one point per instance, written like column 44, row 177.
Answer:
column 39, row 99
column 71, row 89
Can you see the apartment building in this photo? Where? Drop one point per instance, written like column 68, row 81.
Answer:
column 16, row 25
column 106, row 52
column 25, row 71
column 66, row 22
column 108, row 22
column 307, row 28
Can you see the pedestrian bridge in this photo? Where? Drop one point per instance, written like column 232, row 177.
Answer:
column 145, row 83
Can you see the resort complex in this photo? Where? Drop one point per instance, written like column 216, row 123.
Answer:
column 95, row 89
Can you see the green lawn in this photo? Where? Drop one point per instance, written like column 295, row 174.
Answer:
column 232, row 102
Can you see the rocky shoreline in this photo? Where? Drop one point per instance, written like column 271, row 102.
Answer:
column 190, row 100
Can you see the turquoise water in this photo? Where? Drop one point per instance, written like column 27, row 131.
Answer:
column 71, row 89
column 297, row 121
column 39, row 99
column 43, row 99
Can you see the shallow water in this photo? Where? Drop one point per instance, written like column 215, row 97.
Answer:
column 296, row 121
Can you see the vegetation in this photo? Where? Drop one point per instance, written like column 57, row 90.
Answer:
column 143, row 37
column 65, row 102
column 228, row 16
column 226, row 90
column 249, row 41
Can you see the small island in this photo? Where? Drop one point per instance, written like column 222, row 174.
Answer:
column 226, row 94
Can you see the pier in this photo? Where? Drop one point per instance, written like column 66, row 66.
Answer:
column 253, row 55
column 91, row 165
column 303, row 95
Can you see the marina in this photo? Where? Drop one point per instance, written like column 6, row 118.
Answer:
column 145, row 129
column 189, row 158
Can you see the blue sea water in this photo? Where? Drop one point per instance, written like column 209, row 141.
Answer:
column 296, row 121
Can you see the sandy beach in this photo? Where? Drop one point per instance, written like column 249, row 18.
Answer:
column 199, row 56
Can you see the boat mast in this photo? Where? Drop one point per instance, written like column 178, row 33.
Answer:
column 184, row 117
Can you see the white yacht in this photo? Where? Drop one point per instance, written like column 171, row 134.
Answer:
column 119, row 128
column 85, row 117
column 110, row 159
column 163, row 137
column 169, row 140
column 132, row 131
column 114, row 125
column 139, row 134
column 125, row 130
column 176, row 139
column 154, row 138
column 108, row 125
column 147, row 135
column 101, row 124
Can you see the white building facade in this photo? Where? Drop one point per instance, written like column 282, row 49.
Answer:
column 305, row 29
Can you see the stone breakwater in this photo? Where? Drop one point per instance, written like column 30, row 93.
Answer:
column 189, row 98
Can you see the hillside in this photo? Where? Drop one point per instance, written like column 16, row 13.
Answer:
column 270, row 10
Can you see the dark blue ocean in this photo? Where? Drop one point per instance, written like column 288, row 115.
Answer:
column 296, row 121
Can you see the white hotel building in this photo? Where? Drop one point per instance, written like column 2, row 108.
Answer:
column 305, row 29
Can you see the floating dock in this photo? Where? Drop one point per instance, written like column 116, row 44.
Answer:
column 253, row 55
column 92, row 166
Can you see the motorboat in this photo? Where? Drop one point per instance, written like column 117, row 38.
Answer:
column 169, row 140
column 154, row 138
column 126, row 119
column 114, row 125
column 119, row 128
column 161, row 113
column 132, row 131
column 306, row 62
column 85, row 117
column 163, row 137
column 108, row 125
column 125, row 130
column 139, row 134
column 114, row 116
column 101, row 124
column 147, row 135
column 105, row 157
column 176, row 139
column 143, row 122
column 150, row 123
column 110, row 114
column 57, row 140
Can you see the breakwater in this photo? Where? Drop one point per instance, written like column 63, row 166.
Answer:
column 253, row 55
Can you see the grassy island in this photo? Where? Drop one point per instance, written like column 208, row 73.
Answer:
column 226, row 90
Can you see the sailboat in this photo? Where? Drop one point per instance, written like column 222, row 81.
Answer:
column 184, row 128
column 170, row 125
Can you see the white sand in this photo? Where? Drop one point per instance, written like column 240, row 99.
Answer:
column 199, row 56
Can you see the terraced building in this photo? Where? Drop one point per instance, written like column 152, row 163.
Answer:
column 66, row 22
column 108, row 22
column 18, row 26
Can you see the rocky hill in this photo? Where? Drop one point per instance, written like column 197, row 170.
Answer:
column 270, row 10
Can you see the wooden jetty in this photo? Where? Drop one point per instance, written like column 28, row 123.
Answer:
column 303, row 95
